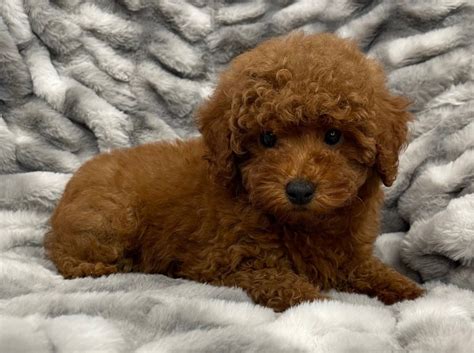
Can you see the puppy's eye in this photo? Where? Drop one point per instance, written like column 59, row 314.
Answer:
column 332, row 136
column 268, row 139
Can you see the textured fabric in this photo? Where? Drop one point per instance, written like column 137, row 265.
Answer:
column 80, row 77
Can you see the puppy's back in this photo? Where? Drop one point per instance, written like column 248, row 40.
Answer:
column 107, row 202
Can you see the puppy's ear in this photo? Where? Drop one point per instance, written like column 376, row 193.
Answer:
column 392, row 116
column 215, row 124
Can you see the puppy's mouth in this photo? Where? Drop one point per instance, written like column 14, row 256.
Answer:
column 300, row 209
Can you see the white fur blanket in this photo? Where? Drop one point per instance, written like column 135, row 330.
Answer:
column 78, row 77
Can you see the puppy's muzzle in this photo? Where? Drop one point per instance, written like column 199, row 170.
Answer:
column 300, row 192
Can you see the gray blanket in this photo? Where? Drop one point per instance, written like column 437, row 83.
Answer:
column 80, row 77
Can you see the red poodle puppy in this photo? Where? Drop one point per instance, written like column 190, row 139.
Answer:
column 280, row 196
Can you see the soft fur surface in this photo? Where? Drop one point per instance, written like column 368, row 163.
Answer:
column 146, row 66
column 217, row 209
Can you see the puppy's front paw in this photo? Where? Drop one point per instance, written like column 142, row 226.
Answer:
column 274, row 288
column 394, row 295
column 376, row 279
column 281, row 303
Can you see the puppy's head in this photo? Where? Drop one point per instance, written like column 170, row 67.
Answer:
column 300, row 123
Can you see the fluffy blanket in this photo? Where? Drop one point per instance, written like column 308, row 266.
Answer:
column 80, row 77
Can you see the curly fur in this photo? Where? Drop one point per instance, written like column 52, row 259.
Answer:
column 214, row 209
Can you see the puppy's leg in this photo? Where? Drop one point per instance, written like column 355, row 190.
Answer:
column 376, row 279
column 89, row 234
column 275, row 288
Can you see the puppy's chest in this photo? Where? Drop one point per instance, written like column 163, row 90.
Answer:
column 312, row 255
column 319, row 257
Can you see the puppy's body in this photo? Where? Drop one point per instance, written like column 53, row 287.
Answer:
column 214, row 209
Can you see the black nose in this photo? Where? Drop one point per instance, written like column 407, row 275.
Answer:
column 300, row 192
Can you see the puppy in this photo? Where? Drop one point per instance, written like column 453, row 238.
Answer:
column 280, row 196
